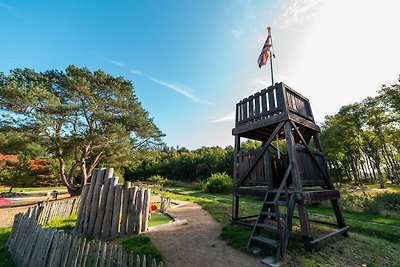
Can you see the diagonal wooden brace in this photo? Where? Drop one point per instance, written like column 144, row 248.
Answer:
column 326, row 177
column 264, row 148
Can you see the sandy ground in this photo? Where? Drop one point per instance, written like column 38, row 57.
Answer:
column 7, row 213
column 197, row 243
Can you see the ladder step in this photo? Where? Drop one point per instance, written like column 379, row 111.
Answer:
column 272, row 214
column 271, row 262
column 269, row 227
column 281, row 203
column 269, row 242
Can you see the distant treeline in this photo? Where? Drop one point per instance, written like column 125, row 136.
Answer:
column 362, row 141
column 181, row 164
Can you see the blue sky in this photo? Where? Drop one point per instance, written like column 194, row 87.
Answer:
column 191, row 61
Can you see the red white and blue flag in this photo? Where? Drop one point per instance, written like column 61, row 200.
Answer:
column 266, row 51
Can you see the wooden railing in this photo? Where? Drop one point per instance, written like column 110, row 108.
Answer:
column 277, row 99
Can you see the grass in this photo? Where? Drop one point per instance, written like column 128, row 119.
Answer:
column 158, row 218
column 66, row 224
column 5, row 257
column 374, row 239
column 31, row 189
column 141, row 245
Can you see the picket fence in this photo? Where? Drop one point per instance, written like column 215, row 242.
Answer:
column 57, row 209
column 108, row 209
column 31, row 245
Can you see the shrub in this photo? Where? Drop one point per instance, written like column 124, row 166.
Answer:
column 201, row 185
column 219, row 183
column 157, row 179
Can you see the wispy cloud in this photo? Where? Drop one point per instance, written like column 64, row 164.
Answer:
column 181, row 89
column 116, row 63
column 226, row 118
column 4, row 6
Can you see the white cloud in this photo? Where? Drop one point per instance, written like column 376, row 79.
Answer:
column 116, row 63
column 181, row 89
column 138, row 72
column 226, row 118
column 335, row 52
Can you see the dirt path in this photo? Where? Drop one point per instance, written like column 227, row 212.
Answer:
column 197, row 243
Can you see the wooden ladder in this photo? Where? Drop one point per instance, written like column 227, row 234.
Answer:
column 274, row 222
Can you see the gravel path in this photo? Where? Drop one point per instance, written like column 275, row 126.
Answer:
column 197, row 243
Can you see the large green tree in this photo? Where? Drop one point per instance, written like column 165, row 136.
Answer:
column 81, row 117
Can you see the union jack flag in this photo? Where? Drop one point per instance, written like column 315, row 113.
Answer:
column 265, row 52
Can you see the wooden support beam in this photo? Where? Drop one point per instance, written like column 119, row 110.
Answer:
column 323, row 172
column 330, row 235
column 264, row 148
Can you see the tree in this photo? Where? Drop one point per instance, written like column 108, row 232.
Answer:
column 80, row 116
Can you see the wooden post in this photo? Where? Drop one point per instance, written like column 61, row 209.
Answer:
column 132, row 209
column 103, row 201
column 88, row 201
column 125, row 206
column 303, row 214
column 235, row 199
column 146, row 208
column 116, row 211
column 138, row 213
column 78, row 226
column 106, row 228
column 95, row 201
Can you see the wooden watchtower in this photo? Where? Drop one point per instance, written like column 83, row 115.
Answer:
column 296, row 175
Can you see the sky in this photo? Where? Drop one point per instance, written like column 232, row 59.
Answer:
column 191, row 61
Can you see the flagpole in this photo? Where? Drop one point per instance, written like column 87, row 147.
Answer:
column 271, row 55
column 272, row 79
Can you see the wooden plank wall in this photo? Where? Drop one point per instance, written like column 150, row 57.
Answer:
column 108, row 209
column 298, row 104
column 262, row 173
column 259, row 106
column 56, row 209
column 31, row 245
column 309, row 172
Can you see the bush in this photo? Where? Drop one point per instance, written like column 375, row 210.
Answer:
column 201, row 185
column 157, row 179
column 219, row 183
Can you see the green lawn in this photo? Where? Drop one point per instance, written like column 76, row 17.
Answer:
column 5, row 257
column 158, row 218
column 32, row 189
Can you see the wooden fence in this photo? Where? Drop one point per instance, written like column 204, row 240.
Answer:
column 108, row 209
column 56, row 209
column 31, row 245
column 165, row 203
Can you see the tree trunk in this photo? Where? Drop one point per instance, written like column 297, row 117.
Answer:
column 378, row 169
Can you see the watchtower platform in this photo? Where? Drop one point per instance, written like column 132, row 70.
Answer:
column 288, row 170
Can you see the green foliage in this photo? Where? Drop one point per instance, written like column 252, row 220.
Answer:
column 5, row 256
column 219, row 183
column 141, row 245
column 361, row 141
column 182, row 165
column 81, row 117
column 380, row 204
column 157, row 179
